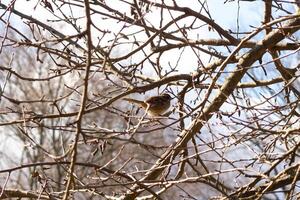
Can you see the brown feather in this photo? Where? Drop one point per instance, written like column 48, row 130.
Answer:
column 155, row 105
column 138, row 102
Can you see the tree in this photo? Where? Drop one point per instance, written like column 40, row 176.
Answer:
column 231, row 132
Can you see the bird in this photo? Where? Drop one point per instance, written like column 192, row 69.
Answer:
column 155, row 105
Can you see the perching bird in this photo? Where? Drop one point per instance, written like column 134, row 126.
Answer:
column 154, row 106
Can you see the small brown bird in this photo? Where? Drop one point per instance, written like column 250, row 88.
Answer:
column 154, row 106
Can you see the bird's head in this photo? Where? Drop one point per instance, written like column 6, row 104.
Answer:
column 167, row 96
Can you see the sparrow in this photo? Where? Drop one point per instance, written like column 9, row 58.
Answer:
column 155, row 105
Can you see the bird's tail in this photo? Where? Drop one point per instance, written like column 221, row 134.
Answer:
column 138, row 102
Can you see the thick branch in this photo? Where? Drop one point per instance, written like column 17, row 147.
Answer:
column 245, row 62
